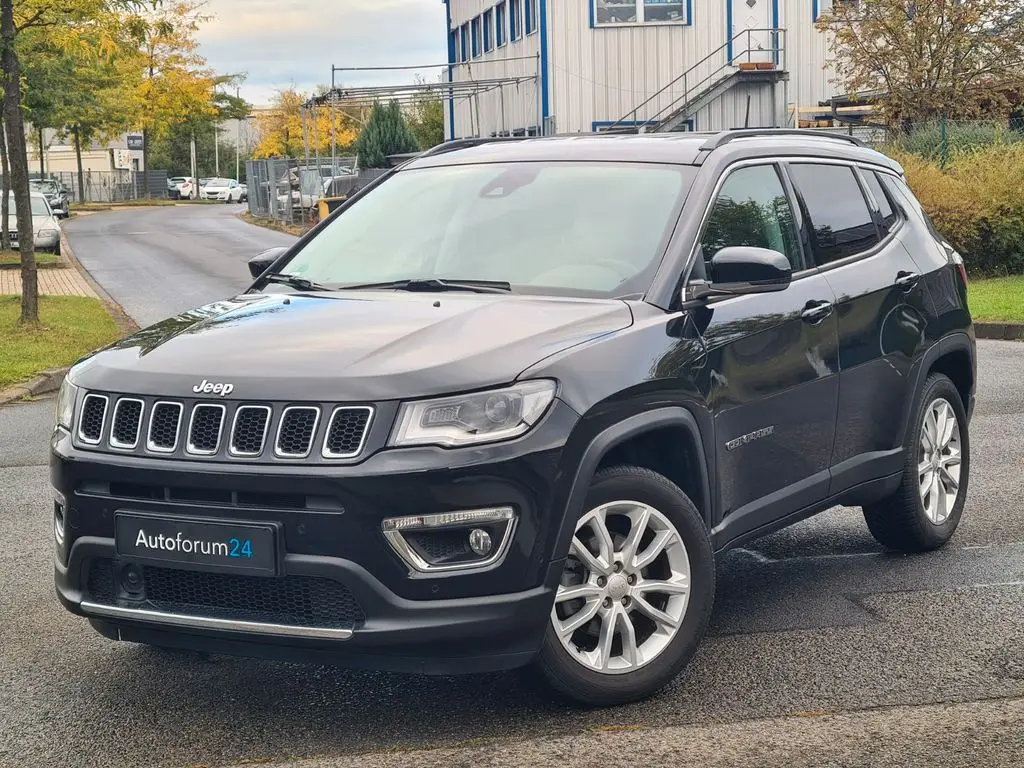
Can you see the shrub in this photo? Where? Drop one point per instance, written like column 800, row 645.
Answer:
column 976, row 203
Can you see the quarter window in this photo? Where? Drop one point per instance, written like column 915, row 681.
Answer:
column 752, row 210
column 840, row 223
column 885, row 206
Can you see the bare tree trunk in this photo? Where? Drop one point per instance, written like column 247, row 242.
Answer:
column 5, row 203
column 42, row 166
column 78, row 160
column 17, row 151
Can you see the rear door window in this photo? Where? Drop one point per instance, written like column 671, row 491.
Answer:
column 840, row 222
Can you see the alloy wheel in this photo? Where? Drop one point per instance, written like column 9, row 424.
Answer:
column 938, row 466
column 625, row 588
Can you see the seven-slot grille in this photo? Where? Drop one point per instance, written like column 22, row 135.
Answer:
column 245, row 431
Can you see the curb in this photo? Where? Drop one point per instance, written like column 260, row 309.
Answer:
column 43, row 384
column 999, row 331
column 124, row 323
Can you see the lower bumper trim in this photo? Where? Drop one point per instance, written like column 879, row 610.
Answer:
column 207, row 622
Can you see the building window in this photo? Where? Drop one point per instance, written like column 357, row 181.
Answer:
column 500, row 14
column 464, row 37
column 476, row 36
column 611, row 12
column 488, row 31
column 516, row 20
column 531, row 16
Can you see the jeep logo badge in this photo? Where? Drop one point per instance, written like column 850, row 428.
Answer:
column 208, row 388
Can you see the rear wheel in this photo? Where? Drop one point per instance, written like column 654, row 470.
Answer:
column 636, row 593
column 925, row 510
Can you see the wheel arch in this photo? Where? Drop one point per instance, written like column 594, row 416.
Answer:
column 955, row 357
column 626, row 441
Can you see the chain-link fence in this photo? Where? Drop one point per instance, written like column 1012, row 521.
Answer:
column 289, row 190
column 941, row 141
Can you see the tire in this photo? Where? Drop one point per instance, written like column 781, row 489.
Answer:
column 56, row 249
column 570, row 666
column 914, row 521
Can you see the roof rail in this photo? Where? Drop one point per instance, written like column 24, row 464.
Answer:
column 457, row 144
column 725, row 137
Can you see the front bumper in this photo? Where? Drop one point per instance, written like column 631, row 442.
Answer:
column 440, row 623
column 47, row 241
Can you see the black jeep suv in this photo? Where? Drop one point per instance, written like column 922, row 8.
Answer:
column 506, row 404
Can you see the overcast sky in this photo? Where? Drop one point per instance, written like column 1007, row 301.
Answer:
column 283, row 43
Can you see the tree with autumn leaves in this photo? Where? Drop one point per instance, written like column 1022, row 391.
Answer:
column 924, row 59
column 92, row 69
column 289, row 126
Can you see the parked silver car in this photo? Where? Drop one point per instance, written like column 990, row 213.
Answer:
column 46, row 228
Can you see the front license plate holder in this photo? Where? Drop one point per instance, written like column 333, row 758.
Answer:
column 199, row 544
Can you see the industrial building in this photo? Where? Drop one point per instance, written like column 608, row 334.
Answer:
column 527, row 67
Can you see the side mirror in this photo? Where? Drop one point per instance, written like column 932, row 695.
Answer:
column 742, row 269
column 261, row 262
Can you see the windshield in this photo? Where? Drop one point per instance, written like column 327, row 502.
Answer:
column 558, row 228
column 218, row 183
column 49, row 187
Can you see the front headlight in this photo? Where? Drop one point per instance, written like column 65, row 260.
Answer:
column 480, row 417
column 64, row 413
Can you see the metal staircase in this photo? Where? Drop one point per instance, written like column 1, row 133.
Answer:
column 704, row 83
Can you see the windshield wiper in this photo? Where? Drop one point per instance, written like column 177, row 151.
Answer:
column 433, row 284
column 294, row 281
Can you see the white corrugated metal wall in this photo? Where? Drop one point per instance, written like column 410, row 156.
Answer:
column 598, row 75
column 508, row 108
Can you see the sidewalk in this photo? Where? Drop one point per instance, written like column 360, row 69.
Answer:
column 52, row 282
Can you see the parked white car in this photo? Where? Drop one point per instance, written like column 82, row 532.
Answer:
column 227, row 190
column 46, row 228
column 181, row 188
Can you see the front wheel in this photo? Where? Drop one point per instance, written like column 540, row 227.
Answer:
column 636, row 594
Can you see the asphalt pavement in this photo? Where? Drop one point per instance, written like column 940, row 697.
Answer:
column 157, row 262
column 824, row 649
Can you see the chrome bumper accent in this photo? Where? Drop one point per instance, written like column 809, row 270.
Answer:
column 206, row 622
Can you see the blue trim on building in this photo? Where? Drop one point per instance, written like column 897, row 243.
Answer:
column 545, row 74
column 451, row 69
column 728, row 31
column 593, row 19
column 815, row 9
column 773, row 37
column 689, row 13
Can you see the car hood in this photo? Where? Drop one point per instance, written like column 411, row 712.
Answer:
column 365, row 346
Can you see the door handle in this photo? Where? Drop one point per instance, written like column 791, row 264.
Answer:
column 906, row 281
column 816, row 311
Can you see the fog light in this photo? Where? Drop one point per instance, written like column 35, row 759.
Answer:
column 480, row 541
column 449, row 541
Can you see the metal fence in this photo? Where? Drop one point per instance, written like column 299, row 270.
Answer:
column 290, row 190
column 109, row 186
column 942, row 140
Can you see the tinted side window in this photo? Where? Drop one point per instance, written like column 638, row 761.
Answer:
column 840, row 221
column 752, row 209
column 885, row 207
